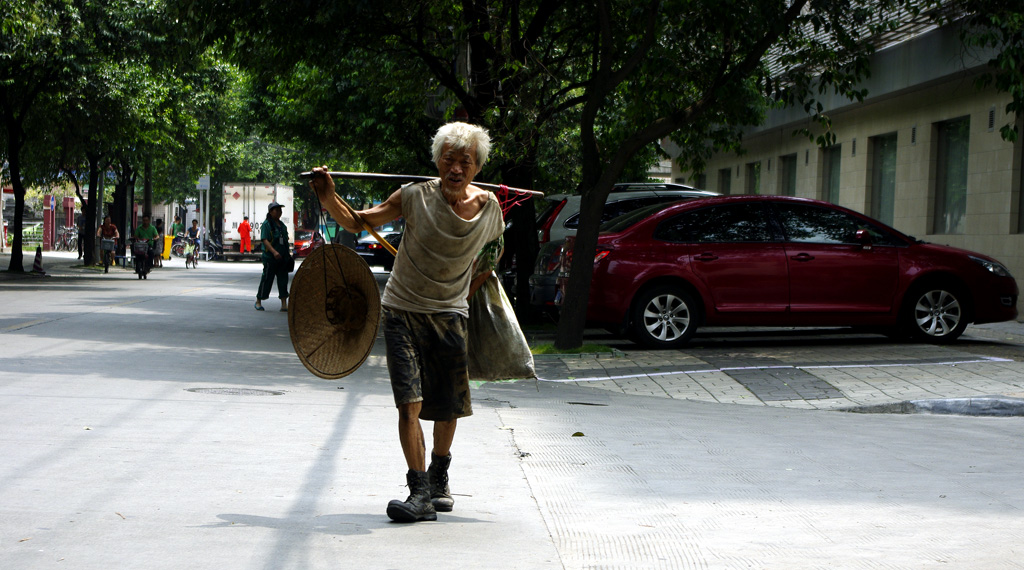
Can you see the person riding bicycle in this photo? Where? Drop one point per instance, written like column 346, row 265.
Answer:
column 108, row 231
column 193, row 233
column 149, row 233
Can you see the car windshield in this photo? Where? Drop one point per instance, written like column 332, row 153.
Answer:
column 303, row 235
column 626, row 220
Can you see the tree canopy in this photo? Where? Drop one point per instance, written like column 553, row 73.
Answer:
column 576, row 96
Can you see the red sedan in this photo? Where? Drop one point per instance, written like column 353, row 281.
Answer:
column 660, row 273
column 306, row 241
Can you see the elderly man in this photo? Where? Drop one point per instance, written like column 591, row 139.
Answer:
column 425, row 303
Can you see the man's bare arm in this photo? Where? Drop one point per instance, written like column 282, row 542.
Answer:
column 380, row 214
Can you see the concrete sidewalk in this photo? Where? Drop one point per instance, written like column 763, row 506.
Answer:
column 165, row 424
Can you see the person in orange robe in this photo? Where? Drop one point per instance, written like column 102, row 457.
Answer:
column 246, row 232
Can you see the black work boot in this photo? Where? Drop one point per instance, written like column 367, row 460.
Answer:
column 440, row 496
column 417, row 507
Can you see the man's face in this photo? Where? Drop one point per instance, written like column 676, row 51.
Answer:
column 145, row 221
column 457, row 168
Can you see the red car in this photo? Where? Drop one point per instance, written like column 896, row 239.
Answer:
column 660, row 273
column 306, row 241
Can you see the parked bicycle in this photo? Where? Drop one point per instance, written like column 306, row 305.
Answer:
column 67, row 239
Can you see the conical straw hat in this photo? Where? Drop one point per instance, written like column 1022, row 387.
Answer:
column 333, row 311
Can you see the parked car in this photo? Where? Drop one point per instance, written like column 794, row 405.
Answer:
column 306, row 241
column 562, row 217
column 374, row 253
column 662, row 272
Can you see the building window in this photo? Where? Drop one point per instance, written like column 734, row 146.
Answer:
column 702, row 181
column 831, row 161
column 725, row 181
column 787, row 175
column 883, row 177
column 951, row 176
column 753, row 182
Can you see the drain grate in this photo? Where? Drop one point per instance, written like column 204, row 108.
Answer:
column 235, row 391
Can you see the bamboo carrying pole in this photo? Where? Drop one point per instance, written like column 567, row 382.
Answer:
column 391, row 249
column 415, row 178
column 403, row 178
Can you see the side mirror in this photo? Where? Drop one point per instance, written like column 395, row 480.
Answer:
column 863, row 237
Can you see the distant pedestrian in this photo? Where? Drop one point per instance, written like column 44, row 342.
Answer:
column 245, row 232
column 159, row 260
column 177, row 227
column 276, row 257
column 80, row 223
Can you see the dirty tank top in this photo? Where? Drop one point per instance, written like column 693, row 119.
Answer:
column 435, row 261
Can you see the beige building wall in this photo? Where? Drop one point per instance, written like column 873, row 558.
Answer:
column 993, row 210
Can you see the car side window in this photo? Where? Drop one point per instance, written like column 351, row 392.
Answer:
column 615, row 209
column 729, row 223
column 805, row 223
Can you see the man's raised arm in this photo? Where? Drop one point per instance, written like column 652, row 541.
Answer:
column 323, row 185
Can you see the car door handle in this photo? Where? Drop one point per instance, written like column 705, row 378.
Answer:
column 706, row 257
column 802, row 257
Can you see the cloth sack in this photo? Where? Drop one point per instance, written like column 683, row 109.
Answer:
column 496, row 345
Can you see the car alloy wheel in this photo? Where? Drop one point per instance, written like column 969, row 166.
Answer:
column 938, row 315
column 664, row 317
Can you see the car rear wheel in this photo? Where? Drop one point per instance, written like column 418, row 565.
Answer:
column 936, row 314
column 664, row 317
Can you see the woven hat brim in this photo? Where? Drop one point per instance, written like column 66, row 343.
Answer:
column 331, row 292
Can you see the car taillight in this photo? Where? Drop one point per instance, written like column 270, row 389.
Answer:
column 374, row 245
column 553, row 262
column 544, row 233
column 565, row 259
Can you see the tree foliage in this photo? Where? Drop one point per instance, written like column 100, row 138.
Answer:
column 997, row 25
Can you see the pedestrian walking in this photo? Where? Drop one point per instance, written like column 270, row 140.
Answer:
column 276, row 257
column 80, row 222
column 425, row 303
column 158, row 259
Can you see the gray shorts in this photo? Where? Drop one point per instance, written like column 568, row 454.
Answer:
column 427, row 362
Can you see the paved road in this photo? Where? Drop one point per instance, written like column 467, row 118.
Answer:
column 165, row 424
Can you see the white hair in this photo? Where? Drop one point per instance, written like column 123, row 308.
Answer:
column 462, row 136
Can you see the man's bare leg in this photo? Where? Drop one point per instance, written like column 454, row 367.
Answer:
column 437, row 472
column 444, row 434
column 411, row 435
column 418, row 506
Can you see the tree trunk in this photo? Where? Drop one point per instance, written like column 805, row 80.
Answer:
column 17, row 255
column 91, row 207
column 147, row 188
column 14, row 144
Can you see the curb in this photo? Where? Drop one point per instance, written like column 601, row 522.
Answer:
column 993, row 406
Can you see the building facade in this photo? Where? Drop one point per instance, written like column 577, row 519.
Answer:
column 922, row 153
